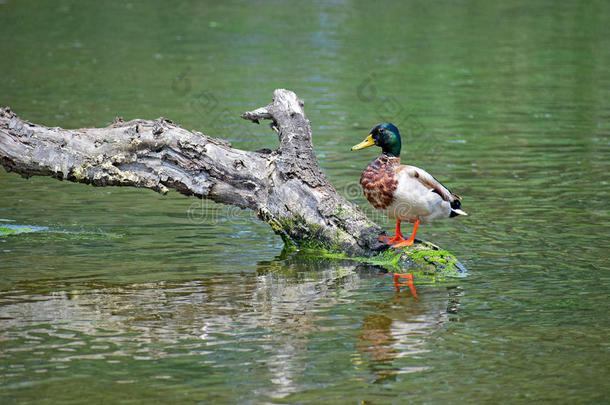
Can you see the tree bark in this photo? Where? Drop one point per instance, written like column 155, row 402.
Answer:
column 285, row 187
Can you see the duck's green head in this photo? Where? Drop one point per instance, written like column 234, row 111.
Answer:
column 386, row 136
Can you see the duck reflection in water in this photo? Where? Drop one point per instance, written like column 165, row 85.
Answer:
column 395, row 331
column 309, row 297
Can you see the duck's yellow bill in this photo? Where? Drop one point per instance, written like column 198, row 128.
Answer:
column 368, row 141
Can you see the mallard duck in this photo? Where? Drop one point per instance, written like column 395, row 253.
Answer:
column 403, row 192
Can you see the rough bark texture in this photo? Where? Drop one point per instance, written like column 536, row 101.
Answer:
column 285, row 187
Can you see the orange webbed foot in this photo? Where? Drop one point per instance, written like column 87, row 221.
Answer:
column 391, row 240
column 397, row 238
column 404, row 243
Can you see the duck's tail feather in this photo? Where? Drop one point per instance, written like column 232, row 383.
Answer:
column 455, row 212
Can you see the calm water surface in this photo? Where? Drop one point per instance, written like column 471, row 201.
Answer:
column 125, row 296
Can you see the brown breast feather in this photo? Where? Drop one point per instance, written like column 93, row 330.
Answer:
column 379, row 181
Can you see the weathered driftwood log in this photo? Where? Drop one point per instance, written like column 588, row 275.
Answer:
column 285, row 187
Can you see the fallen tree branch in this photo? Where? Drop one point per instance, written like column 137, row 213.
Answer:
column 285, row 187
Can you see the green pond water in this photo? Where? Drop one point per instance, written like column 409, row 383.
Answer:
column 118, row 295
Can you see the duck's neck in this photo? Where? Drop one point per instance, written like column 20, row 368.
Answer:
column 392, row 149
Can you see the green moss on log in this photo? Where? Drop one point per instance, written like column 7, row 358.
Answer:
column 423, row 257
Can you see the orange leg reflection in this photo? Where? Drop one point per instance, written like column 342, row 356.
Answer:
column 408, row 282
